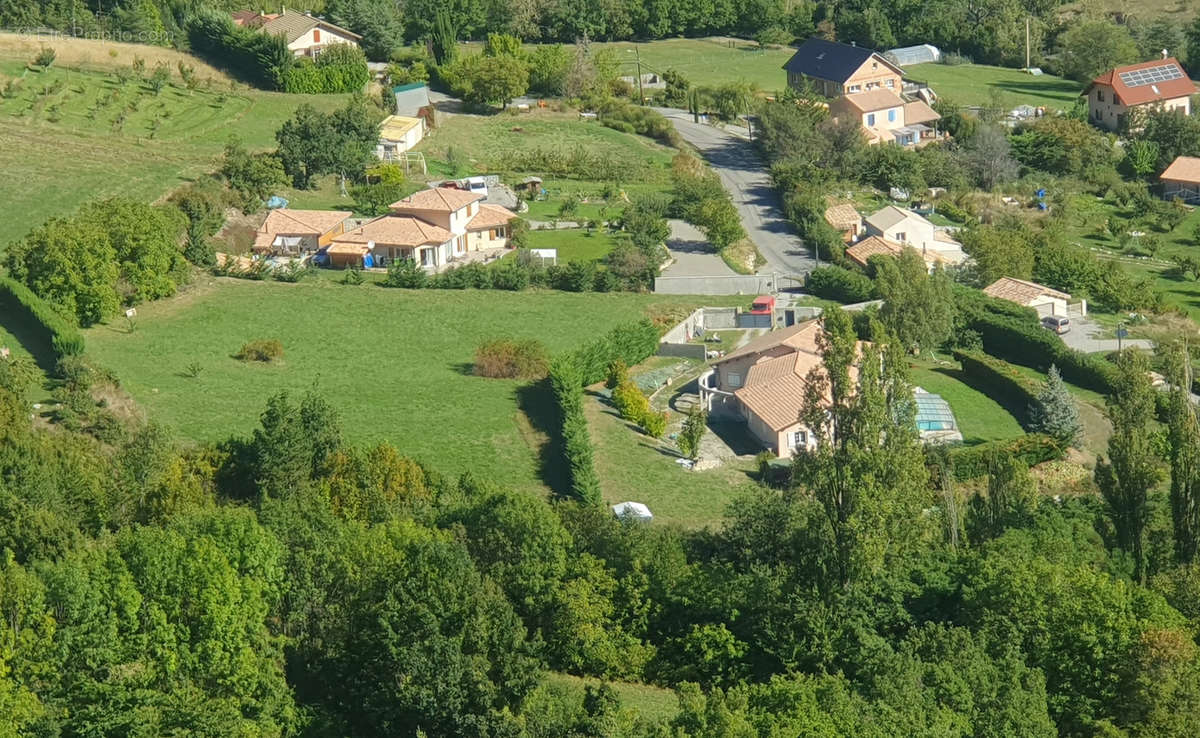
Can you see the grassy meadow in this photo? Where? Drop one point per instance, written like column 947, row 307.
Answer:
column 982, row 85
column 72, row 135
column 979, row 417
column 574, row 244
column 707, row 61
column 395, row 363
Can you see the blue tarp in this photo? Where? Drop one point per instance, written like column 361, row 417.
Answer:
column 276, row 202
column 368, row 261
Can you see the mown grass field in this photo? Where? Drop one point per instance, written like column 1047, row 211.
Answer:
column 979, row 84
column 979, row 417
column 574, row 244
column 648, row 701
column 509, row 143
column 707, row 61
column 395, row 363
column 72, row 135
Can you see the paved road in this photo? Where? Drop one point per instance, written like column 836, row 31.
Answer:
column 1081, row 338
column 745, row 176
column 693, row 255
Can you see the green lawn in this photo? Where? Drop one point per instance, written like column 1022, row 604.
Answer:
column 395, row 363
column 574, row 244
column 635, row 467
column 707, row 61
column 508, row 144
column 70, row 136
column 976, row 84
column 979, row 417
column 649, row 702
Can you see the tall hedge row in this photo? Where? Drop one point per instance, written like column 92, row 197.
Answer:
column 60, row 334
column 840, row 285
column 255, row 56
column 570, row 373
column 1015, row 391
column 1013, row 333
column 971, row 462
column 567, row 386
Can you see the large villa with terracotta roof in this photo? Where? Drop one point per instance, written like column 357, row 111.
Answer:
column 1161, row 83
column 434, row 227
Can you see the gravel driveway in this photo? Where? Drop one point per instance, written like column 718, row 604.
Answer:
column 1081, row 337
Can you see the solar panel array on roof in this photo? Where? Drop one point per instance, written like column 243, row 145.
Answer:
column 1151, row 75
column 933, row 413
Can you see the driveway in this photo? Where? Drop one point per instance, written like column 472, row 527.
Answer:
column 744, row 175
column 1081, row 338
column 693, row 255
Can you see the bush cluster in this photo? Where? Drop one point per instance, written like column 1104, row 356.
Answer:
column 257, row 57
column 506, row 358
column 340, row 68
column 1013, row 333
column 60, row 334
column 1003, row 383
column 840, row 285
column 620, row 115
column 513, row 274
column 262, row 349
column 632, row 403
column 971, row 462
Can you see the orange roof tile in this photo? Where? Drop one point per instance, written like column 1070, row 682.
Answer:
column 798, row 336
column 442, row 199
column 396, row 230
column 874, row 245
column 1183, row 169
column 918, row 112
column 302, row 222
column 490, row 216
column 1020, row 291
column 1170, row 89
column 842, row 216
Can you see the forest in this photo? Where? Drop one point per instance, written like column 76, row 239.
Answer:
column 288, row 583
column 987, row 31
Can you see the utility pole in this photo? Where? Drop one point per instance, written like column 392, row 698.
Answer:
column 638, row 53
column 1026, row 43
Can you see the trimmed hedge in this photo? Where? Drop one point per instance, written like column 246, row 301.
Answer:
column 570, row 373
column 1013, row 333
column 59, row 333
column 1016, row 392
column 971, row 462
column 840, row 285
column 567, row 385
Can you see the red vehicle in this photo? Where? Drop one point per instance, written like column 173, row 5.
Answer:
column 763, row 305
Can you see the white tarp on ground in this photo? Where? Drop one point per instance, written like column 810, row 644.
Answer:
column 632, row 511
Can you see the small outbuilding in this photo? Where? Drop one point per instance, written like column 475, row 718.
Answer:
column 397, row 135
column 1045, row 300
column 632, row 511
column 1182, row 180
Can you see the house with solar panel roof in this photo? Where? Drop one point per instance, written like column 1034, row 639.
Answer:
column 1153, row 84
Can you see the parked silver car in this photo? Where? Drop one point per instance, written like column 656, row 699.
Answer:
column 1057, row 323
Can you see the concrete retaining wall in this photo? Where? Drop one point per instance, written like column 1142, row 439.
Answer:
column 719, row 318
column 686, row 328
column 750, row 284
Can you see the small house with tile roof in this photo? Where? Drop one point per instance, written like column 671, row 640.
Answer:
column 861, row 252
column 1045, row 300
column 298, row 233
column 305, row 34
column 1161, row 83
column 887, row 118
column 763, row 383
column 1182, row 180
column 909, row 228
column 845, row 219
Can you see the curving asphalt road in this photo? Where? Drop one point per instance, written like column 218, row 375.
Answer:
column 743, row 173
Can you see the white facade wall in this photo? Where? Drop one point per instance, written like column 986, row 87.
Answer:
column 316, row 38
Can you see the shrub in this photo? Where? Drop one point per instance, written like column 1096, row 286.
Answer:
column 352, row 276
column 45, row 57
column 840, row 285
column 506, row 358
column 631, row 343
column 262, row 349
column 630, row 402
column 405, row 273
column 1002, row 382
column 972, row 462
column 60, row 334
column 617, row 373
column 655, row 424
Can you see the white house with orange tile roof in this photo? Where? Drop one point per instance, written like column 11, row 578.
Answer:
column 886, row 118
column 1159, row 83
column 298, row 233
column 1045, row 300
column 763, row 383
column 434, row 227
column 909, row 228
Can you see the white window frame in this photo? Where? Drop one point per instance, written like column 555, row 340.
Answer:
column 891, row 83
column 798, row 439
column 428, row 258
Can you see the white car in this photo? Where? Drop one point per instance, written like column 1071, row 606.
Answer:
column 477, row 184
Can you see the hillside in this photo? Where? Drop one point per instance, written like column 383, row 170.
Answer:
column 73, row 135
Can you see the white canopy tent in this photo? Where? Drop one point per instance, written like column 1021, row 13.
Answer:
column 635, row 511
